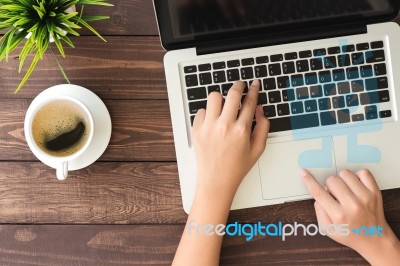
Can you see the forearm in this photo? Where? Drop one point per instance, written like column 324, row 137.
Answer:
column 385, row 253
column 197, row 246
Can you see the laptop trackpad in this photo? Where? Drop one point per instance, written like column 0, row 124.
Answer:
column 281, row 163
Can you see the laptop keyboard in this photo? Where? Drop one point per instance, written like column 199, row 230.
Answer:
column 305, row 89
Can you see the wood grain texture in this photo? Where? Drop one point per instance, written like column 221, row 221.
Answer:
column 123, row 68
column 141, row 131
column 153, row 245
column 123, row 193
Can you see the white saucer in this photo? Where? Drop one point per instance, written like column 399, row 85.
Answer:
column 101, row 118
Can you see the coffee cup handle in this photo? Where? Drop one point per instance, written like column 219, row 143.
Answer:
column 62, row 171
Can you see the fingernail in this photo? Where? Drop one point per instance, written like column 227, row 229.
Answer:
column 303, row 172
column 256, row 83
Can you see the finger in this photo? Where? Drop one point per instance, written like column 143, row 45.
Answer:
column 354, row 183
column 319, row 193
column 214, row 106
column 322, row 216
column 260, row 133
column 199, row 119
column 232, row 102
column 368, row 180
column 250, row 104
column 338, row 188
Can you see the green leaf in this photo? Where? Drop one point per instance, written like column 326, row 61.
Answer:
column 29, row 72
column 84, row 23
column 59, row 66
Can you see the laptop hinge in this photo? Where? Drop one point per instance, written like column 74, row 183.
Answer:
column 227, row 45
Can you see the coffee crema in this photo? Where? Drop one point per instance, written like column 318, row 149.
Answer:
column 57, row 120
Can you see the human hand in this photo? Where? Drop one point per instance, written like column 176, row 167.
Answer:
column 355, row 199
column 225, row 146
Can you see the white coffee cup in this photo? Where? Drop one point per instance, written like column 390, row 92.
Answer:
column 60, row 163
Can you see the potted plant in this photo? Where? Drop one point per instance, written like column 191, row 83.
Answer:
column 40, row 23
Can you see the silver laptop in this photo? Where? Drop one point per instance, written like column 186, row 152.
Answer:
column 330, row 85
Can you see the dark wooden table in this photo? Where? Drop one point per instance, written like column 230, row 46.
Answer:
column 126, row 208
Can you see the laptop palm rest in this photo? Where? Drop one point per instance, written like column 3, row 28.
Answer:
column 281, row 163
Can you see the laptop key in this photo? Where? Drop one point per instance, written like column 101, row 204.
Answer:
column 262, row 98
column 274, row 97
column 385, row 114
column 270, row 111
column 219, row 65
column 320, row 52
column 338, row 102
column 357, row 117
column 324, row 104
column 190, row 69
column 213, row 88
column 302, row 93
column 261, row 71
column 205, row 78
column 338, row 75
column 294, row 122
column 302, row 66
column 362, row 46
column 316, row 91
column 380, row 69
column 196, row 93
column 204, row 67
column 288, row 95
column 291, row 56
column 371, row 112
column 316, row 64
column 219, row 77
column 377, row 45
column 283, row 82
column 357, row 58
column 288, row 68
column 352, row 100
column 275, row 69
column 352, row 73
column 276, row 57
column 366, row 71
column 194, row 107
column 376, row 83
column 334, row 50
column 248, row 61
column 374, row 97
column 344, row 60
column 325, row 76
column 233, row 63
column 348, row 48
column 191, row 81
column 192, row 119
column 311, row 78
column 343, row 88
column 247, row 73
column 297, row 80
column 343, row 116
column 233, row 74
column 330, row 62
column 311, row 106
column 225, row 88
column 329, row 89
column 283, row 109
column 305, row 54
column 375, row 56
column 262, row 60
column 297, row 108
column 328, row 118
column 269, row 84
column 357, row 85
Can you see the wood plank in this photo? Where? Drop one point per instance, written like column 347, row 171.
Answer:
column 123, row 193
column 155, row 245
column 141, row 131
column 123, row 68
column 127, row 17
